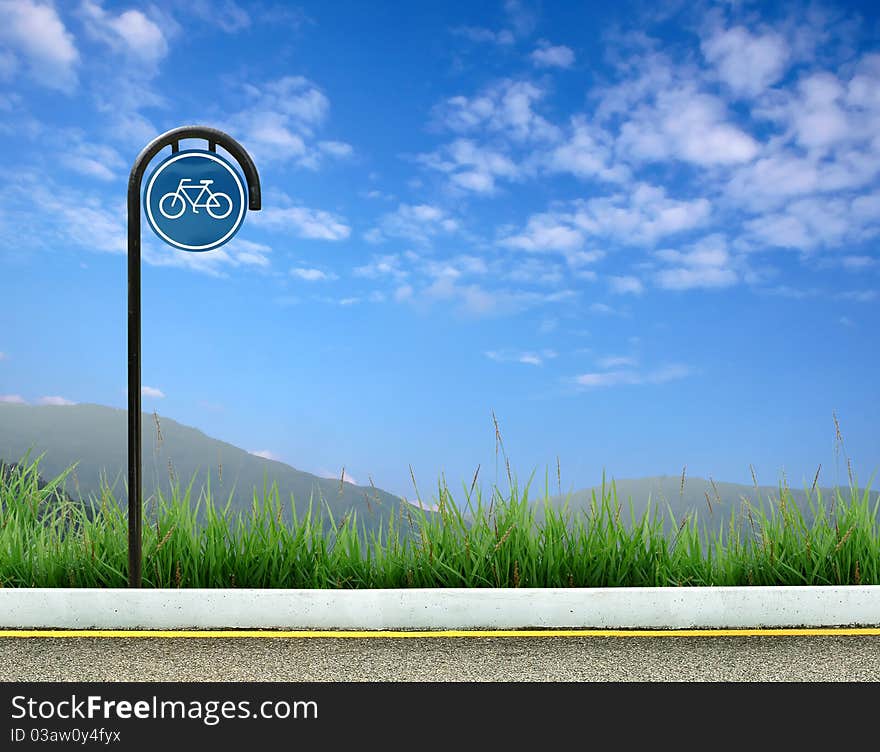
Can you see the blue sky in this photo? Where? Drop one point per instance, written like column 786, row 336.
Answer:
column 644, row 235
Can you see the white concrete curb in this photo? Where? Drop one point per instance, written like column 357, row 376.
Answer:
column 441, row 608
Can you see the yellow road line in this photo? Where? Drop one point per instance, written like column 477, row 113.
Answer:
column 254, row 633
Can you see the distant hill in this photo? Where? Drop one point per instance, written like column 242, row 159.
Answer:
column 667, row 490
column 95, row 437
column 12, row 473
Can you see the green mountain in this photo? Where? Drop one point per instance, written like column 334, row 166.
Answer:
column 95, row 437
column 712, row 502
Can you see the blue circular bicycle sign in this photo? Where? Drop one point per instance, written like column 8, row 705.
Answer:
column 195, row 200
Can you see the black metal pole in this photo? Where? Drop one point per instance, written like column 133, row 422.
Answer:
column 170, row 138
column 134, row 380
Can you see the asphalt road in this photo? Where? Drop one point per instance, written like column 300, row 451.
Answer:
column 739, row 658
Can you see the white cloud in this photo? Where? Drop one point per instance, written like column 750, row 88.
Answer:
column 786, row 291
column 861, row 90
column 671, row 372
column 312, row 275
column 456, row 266
column 338, row 149
column 687, row 125
column 377, row 296
column 616, row 361
column 126, row 124
column 151, row 391
column 505, row 108
column 131, row 32
column 860, row 296
column 521, row 18
column 38, row 211
column 36, row 32
column 273, row 138
column 236, row 253
column 415, row 222
column 818, row 115
column 266, row 454
column 228, row 15
column 851, row 263
column 312, row 224
column 476, row 299
column 470, row 166
column 811, row 223
column 376, row 194
column 514, row 140
column 604, row 309
column 403, row 293
column 279, row 123
column 55, row 401
column 626, row 285
column 448, row 283
column 382, row 266
column 526, row 358
column 607, row 378
column 772, row 179
column 15, row 399
column 242, row 252
column 422, row 212
column 293, row 96
column 531, row 359
column 547, row 56
column 587, row 153
column 826, row 138
column 710, row 251
column 782, row 231
column 748, row 63
column 663, row 113
column 707, row 264
column 547, row 232
column 661, row 375
column 684, row 278
column 579, row 259
column 503, row 38
column 536, row 270
column 94, row 160
column 866, row 208
column 639, row 217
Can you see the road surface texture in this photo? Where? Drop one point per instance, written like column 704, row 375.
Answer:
column 738, row 658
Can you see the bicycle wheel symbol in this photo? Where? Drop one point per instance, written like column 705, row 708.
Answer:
column 214, row 205
column 174, row 208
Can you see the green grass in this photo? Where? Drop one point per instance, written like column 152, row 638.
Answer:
column 48, row 541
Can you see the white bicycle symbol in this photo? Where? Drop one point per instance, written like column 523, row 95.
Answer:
column 173, row 204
